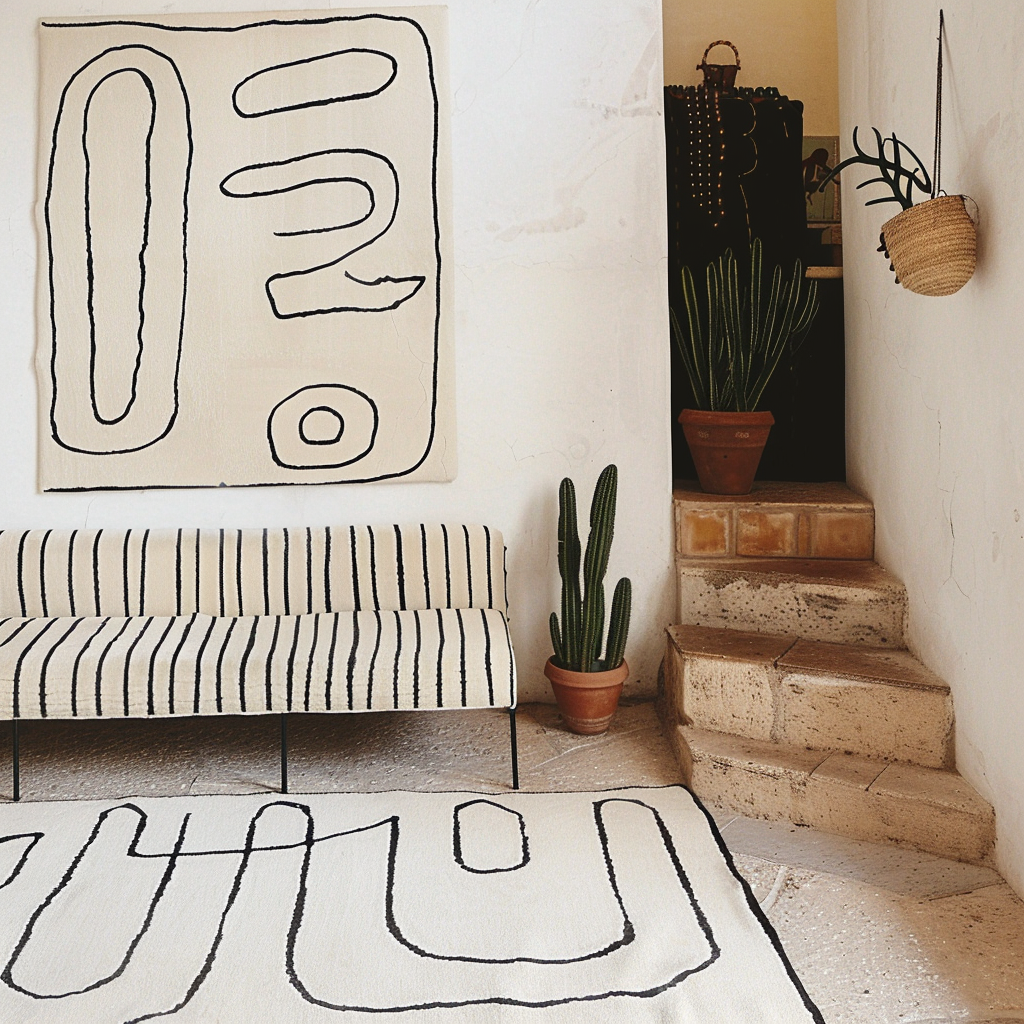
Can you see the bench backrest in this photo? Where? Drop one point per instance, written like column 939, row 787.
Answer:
column 250, row 571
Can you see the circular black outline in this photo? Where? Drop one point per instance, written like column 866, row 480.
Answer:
column 332, row 465
column 321, row 408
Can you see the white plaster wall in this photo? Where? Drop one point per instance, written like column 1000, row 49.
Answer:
column 935, row 418
column 560, row 304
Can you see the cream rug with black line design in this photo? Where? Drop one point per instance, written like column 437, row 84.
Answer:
column 419, row 907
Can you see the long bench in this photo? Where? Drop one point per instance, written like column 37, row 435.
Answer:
column 156, row 623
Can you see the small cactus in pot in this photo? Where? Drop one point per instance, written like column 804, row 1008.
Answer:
column 587, row 686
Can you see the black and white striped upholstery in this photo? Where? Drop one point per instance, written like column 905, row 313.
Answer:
column 136, row 623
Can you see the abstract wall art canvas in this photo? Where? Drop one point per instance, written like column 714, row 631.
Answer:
column 245, row 273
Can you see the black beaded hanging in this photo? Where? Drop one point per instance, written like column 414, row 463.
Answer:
column 707, row 133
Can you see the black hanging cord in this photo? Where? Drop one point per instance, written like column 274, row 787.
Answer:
column 938, row 111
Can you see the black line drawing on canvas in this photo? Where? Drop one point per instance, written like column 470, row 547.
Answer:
column 305, row 241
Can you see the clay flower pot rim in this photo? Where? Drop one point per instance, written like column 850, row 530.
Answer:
column 586, row 680
column 725, row 416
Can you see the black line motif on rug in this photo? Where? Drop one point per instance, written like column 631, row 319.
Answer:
column 524, row 842
column 390, row 831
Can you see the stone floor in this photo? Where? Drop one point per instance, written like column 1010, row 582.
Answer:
column 878, row 935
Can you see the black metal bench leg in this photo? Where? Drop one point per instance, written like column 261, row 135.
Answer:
column 284, row 753
column 15, row 753
column 515, row 748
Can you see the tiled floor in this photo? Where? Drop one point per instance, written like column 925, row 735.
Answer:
column 878, row 935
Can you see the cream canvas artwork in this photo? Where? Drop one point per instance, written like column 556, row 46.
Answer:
column 245, row 273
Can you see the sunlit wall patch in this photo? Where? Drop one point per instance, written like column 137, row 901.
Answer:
column 245, row 272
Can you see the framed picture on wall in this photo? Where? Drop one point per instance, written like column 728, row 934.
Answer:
column 233, row 294
column 820, row 155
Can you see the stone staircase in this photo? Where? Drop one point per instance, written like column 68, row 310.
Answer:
column 788, row 690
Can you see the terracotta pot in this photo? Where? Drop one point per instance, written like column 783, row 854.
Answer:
column 587, row 700
column 726, row 447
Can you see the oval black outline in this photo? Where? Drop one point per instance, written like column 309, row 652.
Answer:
column 457, row 838
column 187, row 177
column 314, row 103
column 89, row 273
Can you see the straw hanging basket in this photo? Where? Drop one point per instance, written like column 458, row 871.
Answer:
column 932, row 246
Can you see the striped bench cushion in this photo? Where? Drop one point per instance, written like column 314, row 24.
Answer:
column 250, row 571
column 198, row 664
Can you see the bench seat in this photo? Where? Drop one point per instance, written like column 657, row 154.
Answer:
column 108, row 623
column 143, row 666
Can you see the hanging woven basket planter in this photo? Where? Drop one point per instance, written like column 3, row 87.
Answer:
column 932, row 246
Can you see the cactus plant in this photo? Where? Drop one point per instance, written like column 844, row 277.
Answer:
column 578, row 638
column 733, row 340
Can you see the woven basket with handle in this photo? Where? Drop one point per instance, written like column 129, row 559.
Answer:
column 719, row 76
column 932, row 246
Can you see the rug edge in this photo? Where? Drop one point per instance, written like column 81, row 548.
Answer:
column 759, row 914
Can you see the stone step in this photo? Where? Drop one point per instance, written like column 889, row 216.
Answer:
column 928, row 809
column 857, row 700
column 776, row 520
column 841, row 601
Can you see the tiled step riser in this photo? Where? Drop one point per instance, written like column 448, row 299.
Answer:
column 765, row 702
column 779, row 793
column 723, row 533
column 838, row 614
column 776, row 520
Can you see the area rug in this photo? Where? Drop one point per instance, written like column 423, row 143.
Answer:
column 450, row 907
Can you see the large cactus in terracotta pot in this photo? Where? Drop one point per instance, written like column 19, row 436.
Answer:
column 578, row 638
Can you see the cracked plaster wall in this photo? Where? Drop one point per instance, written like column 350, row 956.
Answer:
column 561, row 317
column 935, row 418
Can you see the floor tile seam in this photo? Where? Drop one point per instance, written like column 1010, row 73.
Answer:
column 965, row 892
column 878, row 885
column 600, row 745
column 600, row 738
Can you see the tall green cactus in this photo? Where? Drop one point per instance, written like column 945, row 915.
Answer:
column 733, row 339
column 577, row 641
